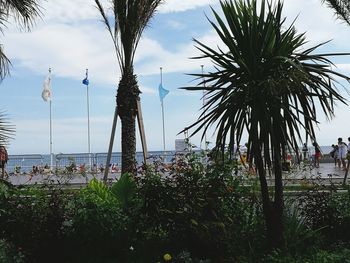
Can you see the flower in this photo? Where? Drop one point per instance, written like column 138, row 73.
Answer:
column 167, row 257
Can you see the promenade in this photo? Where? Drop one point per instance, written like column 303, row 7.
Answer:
column 326, row 173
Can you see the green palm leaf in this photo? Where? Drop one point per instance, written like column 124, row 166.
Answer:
column 6, row 129
column 341, row 8
column 24, row 13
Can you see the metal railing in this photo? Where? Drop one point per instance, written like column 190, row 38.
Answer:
column 29, row 162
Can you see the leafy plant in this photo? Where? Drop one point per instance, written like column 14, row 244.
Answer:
column 124, row 190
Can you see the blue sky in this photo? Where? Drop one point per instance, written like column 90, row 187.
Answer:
column 70, row 37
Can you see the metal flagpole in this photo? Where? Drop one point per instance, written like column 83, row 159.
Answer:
column 88, row 115
column 161, row 82
column 51, row 154
column 204, row 93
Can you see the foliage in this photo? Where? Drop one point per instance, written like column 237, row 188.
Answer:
column 96, row 218
column 24, row 12
column 341, row 9
column 195, row 207
column 337, row 256
column 263, row 75
column 267, row 84
column 8, row 254
column 32, row 214
column 6, row 129
column 327, row 211
column 195, row 210
column 124, row 190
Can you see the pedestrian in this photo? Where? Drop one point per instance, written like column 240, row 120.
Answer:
column 305, row 150
column 342, row 151
column 3, row 160
column 334, row 153
column 317, row 154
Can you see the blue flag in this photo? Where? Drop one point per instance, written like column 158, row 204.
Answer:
column 86, row 81
column 162, row 92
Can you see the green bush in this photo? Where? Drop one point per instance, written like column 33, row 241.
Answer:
column 32, row 218
column 8, row 254
column 98, row 230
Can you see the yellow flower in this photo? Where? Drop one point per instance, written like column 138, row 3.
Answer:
column 167, row 257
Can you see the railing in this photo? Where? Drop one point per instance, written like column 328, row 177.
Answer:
column 96, row 161
column 24, row 163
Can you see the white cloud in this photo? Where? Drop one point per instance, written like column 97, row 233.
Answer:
column 67, row 11
column 68, row 50
column 172, row 61
column 181, row 5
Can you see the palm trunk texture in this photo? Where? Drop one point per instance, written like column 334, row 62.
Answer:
column 128, row 94
column 273, row 211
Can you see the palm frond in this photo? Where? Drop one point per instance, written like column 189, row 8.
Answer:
column 130, row 19
column 23, row 11
column 5, row 64
column 341, row 9
column 7, row 130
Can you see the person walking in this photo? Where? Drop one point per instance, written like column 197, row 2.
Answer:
column 334, row 154
column 317, row 154
column 305, row 150
column 342, row 151
column 3, row 160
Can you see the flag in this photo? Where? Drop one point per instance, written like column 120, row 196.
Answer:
column 46, row 94
column 86, row 80
column 162, row 92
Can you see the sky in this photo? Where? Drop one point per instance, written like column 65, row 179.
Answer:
column 70, row 37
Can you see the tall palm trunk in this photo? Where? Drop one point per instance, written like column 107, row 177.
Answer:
column 128, row 94
column 273, row 211
column 277, row 239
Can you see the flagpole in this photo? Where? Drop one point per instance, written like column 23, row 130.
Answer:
column 161, row 82
column 88, row 117
column 51, row 154
column 204, row 93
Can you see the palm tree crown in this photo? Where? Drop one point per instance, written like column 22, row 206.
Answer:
column 265, row 75
column 130, row 19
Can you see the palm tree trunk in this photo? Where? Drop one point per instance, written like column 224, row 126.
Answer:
column 128, row 94
column 278, row 239
column 273, row 211
column 128, row 143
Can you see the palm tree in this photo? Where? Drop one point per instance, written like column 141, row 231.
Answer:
column 341, row 8
column 23, row 12
column 130, row 19
column 264, row 83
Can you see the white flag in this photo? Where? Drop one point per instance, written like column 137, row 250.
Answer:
column 46, row 94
